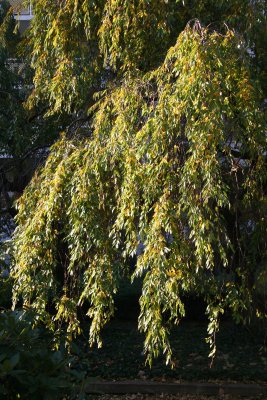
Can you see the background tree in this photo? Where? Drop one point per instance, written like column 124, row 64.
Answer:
column 23, row 131
column 173, row 157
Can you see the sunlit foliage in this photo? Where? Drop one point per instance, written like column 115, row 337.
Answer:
column 174, row 159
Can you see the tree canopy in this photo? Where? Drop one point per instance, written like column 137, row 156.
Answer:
column 173, row 156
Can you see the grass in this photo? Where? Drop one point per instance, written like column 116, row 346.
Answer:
column 171, row 397
column 240, row 356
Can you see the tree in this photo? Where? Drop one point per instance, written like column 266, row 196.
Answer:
column 174, row 158
column 23, row 132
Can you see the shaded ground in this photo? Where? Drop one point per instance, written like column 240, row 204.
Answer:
column 170, row 397
column 240, row 356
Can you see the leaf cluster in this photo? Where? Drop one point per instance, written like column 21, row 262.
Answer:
column 174, row 162
column 29, row 368
column 79, row 46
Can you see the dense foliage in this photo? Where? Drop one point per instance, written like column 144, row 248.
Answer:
column 173, row 159
column 24, row 134
column 21, row 131
column 29, row 368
